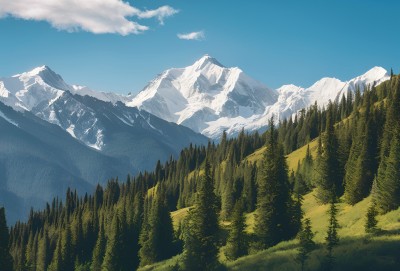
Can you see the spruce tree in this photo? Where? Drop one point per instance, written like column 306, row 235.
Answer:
column 370, row 221
column 157, row 242
column 6, row 263
column 30, row 253
column 237, row 243
column 387, row 183
column 56, row 263
column 43, row 252
column 306, row 243
column 67, row 250
column 249, row 187
column 99, row 250
column 111, row 259
column 391, row 182
column 273, row 217
column 361, row 165
column 201, row 229
column 329, row 184
column 332, row 237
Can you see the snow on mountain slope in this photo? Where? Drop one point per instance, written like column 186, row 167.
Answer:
column 206, row 97
column 102, row 96
column 210, row 98
column 27, row 90
column 292, row 98
column 86, row 115
column 203, row 92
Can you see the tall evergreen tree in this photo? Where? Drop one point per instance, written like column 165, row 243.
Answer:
column 361, row 165
column 387, row 184
column 157, row 243
column 111, row 260
column 329, row 184
column 332, row 237
column 66, row 250
column 43, row 254
column 237, row 242
column 391, row 183
column 56, row 263
column 273, row 199
column 99, row 250
column 249, row 187
column 306, row 243
column 201, row 230
column 370, row 221
column 6, row 263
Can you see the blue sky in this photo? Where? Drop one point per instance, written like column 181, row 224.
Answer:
column 276, row 42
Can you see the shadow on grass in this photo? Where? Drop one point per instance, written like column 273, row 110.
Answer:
column 368, row 253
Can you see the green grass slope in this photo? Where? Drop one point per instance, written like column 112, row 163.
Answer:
column 356, row 250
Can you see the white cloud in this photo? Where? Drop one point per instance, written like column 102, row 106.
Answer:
column 192, row 36
column 160, row 13
column 96, row 16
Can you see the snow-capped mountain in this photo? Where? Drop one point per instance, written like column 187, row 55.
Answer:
column 97, row 119
column 27, row 90
column 202, row 93
column 206, row 97
column 210, row 98
column 293, row 98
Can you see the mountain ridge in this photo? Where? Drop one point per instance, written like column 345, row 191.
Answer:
column 224, row 112
column 206, row 96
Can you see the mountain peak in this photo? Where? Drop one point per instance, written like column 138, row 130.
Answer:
column 376, row 72
column 205, row 61
column 39, row 70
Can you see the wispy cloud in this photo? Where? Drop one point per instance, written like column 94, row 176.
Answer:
column 159, row 13
column 192, row 36
column 99, row 17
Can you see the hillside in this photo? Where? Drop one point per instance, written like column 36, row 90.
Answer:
column 378, row 252
column 371, row 252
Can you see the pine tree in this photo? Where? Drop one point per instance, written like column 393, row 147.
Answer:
column 329, row 184
column 273, row 199
column 30, row 253
column 43, row 252
column 6, row 263
column 361, row 165
column 201, row 229
column 387, row 184
column 111, row 259
column 157, row 242
column 391, row 183
column 237, row 243
column 66, row 250
column 306, row 243
column 370, row 221
column 99, row 250
column 56, row 263
column 332, row 238
column 249, row 188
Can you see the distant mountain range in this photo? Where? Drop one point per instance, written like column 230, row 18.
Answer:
column 210, row 98
column 206, row 97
